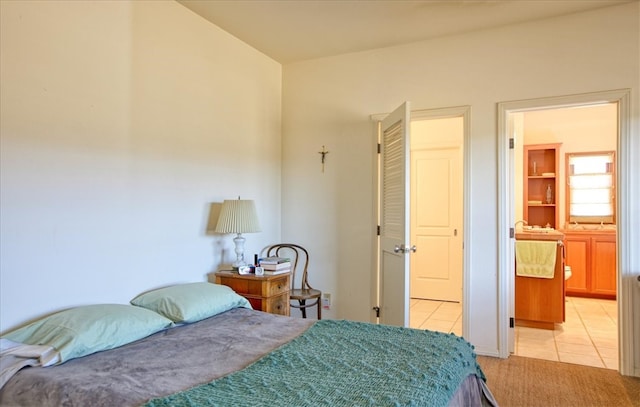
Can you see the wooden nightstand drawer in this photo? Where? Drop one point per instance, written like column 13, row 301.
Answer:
column 265, row 293
column 278, row 286
column 247, row 286
column 239, row 286
column 279, row 304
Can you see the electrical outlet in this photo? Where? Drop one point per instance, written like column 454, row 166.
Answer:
column 326, row 300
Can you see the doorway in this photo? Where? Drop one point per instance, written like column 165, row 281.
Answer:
column 436, row 209
column 393, row 211
column 507, row 129
column 436, row 221
column 588, row 335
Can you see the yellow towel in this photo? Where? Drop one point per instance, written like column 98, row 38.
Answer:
column 535, row 258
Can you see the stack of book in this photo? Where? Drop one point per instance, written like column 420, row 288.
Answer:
column 275, row 265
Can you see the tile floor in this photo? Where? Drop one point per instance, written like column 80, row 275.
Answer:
column 589, row 335
column 436, row 315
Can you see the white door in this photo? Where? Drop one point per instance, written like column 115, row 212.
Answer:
column 436, row 224
column 394, row 218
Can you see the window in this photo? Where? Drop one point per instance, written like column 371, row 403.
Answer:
column 591, row 187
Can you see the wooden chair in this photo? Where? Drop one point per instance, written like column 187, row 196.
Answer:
column 303, row 292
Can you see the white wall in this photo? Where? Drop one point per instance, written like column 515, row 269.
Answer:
column 121, row 122
column 328, row 102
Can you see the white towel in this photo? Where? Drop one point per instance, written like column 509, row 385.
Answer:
column 14, row 356
column 535, row 258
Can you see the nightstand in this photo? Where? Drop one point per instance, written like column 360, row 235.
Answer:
column 265, row 293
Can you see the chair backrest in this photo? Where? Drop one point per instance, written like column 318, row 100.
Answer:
column 299, row 262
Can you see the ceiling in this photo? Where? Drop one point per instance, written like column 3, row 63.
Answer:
column 296, row 30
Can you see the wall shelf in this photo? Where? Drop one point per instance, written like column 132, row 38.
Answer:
column 541, row 165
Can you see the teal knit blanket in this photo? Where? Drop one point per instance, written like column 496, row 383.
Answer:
column 345, row 363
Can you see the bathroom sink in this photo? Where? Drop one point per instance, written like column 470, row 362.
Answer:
column 531, row 229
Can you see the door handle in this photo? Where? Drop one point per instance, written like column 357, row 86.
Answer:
column 404, row 249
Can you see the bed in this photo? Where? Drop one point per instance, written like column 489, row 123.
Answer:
column 234, row 355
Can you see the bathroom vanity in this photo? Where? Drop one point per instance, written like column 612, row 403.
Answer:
column 591, row 254
column 540, row 302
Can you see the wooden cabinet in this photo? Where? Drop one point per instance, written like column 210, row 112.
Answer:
column 540, row 302
column 541, row 185
column 577, row 249
column 265, row 293
column 592, row 258
column 603, row 265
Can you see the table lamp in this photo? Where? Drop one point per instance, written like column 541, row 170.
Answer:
column 238, row 216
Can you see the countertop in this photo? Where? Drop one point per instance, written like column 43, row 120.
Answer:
column 605, row 231
column 546, row 235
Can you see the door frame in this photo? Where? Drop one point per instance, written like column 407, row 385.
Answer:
column 506, row 210
column 427, row 114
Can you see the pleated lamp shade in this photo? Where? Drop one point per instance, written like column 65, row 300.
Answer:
column 238, row 216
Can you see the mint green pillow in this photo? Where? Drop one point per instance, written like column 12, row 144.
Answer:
column 191, row 302
column 88, row 329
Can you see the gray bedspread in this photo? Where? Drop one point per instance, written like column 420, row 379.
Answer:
column 170, row 361
column 160, row 364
